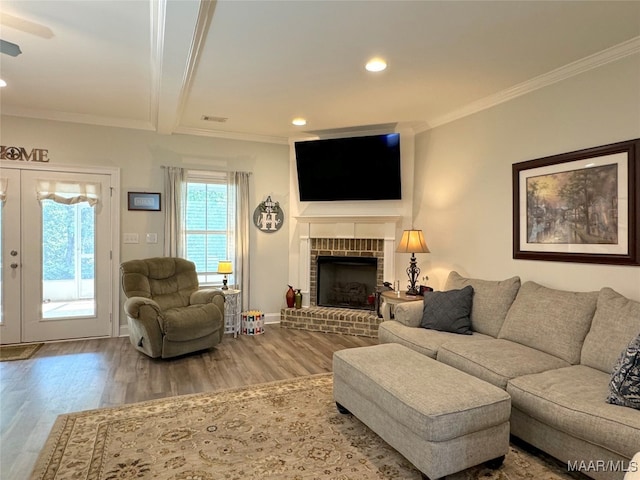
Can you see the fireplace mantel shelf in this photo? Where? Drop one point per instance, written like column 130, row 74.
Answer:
column 348, row 218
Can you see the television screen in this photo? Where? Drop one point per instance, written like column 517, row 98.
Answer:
column 355, row 168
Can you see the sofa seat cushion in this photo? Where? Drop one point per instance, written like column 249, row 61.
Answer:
column 552, row 321
column 491, row 300
column 424, row 341
column 572, row 400
column 496, row 361
column 194, row 321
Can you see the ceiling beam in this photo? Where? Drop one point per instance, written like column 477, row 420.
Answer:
column 179, row 29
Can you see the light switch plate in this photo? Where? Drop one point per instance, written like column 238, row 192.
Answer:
column 130, row 238
column 152, row 238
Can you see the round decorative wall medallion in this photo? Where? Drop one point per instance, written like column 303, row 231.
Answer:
column 268, row 216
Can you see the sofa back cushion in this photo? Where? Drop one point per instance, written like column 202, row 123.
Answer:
column 491, row 300
column 615, row 323
column 552, row 321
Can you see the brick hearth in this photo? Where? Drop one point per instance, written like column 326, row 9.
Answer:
column 344, row 321
column 363, row 323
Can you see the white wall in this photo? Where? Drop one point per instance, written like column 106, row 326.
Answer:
column 462, row 197
column 141, row 154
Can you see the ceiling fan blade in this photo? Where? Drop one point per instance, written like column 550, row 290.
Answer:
column 9, row 48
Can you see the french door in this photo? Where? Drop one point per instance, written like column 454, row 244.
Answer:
column 55, row 255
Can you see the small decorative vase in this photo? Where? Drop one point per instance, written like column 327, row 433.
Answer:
column 298, row 299
column 290, row 296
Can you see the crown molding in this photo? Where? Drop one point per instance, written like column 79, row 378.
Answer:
column 81, row 118
column 249, row 137
column 612, row 54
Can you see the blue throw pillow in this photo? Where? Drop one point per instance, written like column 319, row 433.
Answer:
column 624, row 387
column 448, row 311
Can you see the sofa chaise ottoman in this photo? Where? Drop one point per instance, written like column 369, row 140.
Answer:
column 440, row 419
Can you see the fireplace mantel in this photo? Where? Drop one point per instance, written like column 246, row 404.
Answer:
column 381, row 227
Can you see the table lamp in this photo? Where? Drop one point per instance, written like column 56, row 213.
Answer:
column 224, row 267
column 412, row 242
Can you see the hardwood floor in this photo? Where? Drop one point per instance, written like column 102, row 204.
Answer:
column 81, row 375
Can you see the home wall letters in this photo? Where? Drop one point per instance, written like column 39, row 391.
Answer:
column 20, row 154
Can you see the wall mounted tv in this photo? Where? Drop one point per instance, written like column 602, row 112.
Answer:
column 355, row 168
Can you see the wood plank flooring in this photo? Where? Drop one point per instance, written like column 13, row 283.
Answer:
column 81, row 375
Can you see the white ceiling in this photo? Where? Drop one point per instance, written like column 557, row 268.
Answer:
column 162, row 64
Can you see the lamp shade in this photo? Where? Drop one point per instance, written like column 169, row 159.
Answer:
column 224, row 266
column 412, row 241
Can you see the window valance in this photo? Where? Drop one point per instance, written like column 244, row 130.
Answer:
column 68, row 192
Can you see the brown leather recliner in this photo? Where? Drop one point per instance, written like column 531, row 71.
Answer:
column 167, row 313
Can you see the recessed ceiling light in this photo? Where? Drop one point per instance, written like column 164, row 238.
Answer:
column 2, row 83
column 376, row 64
column 299, row 122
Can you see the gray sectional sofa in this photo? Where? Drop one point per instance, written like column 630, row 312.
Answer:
column 553, row 351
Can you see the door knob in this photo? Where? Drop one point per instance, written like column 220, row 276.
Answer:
column 14, row 265
column 14, row 253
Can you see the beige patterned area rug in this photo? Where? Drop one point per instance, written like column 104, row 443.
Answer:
column 18, row 352
column 283, row 430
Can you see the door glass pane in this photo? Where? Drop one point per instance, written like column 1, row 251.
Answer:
column 68, row 259
column 1, row 264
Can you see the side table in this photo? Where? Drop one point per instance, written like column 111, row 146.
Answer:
column 232, row 315
column 394, row 298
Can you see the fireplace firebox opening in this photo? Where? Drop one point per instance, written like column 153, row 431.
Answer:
column 346, row 282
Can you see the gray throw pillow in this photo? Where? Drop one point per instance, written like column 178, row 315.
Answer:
column 448, row 311
column 624, row 387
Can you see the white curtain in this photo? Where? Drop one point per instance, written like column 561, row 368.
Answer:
column 239, row 186
column 175, row 191
column 4, row 183
column 68, row 192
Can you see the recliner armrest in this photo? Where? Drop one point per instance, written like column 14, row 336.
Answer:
column 409, row 314
column 133, row 305
column 206, row 295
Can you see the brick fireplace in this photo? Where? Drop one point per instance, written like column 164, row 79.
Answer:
column 343, row 247
column 380, row 245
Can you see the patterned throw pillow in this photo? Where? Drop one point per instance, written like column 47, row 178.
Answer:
column 448, row 311
column 624, row 387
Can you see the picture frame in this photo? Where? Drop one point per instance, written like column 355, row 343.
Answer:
column 149, row 202
column 581, row 206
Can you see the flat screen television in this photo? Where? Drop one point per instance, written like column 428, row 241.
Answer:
column 354, row 168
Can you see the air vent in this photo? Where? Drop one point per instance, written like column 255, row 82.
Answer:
column 211, row 118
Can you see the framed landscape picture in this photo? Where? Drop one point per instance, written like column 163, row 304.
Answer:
column 581, row 206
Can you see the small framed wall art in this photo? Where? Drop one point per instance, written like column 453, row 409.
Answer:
column 581, row 206
column 144, row 201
